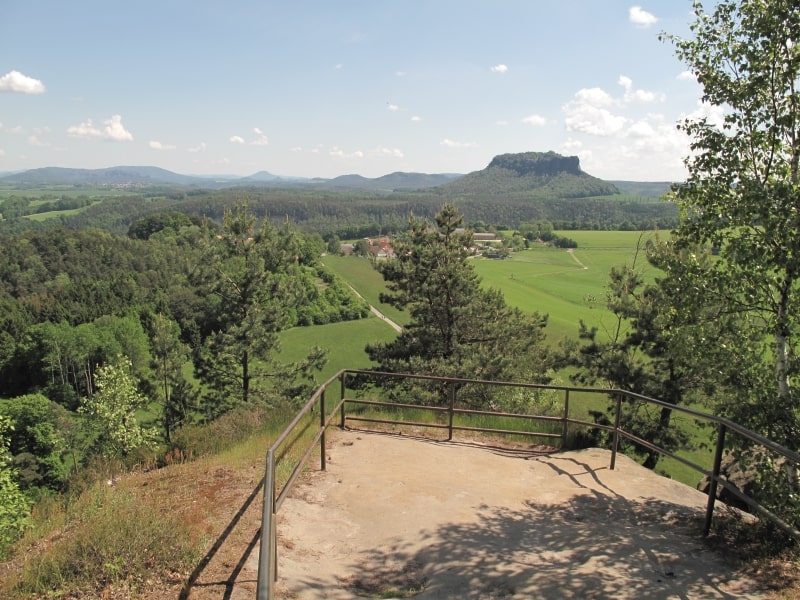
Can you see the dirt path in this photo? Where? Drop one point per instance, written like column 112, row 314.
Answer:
column 452, row 520
column 571, row 252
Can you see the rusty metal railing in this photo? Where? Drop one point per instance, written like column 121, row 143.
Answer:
column 308, row 429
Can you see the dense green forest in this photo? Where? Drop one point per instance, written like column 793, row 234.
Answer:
column 93, row 322
column 349, row 214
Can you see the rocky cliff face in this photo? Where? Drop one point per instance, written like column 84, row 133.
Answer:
column 538, row 163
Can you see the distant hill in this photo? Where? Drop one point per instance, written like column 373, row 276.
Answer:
column 109, row 176
column 532, row 174
column 142, row 176
column 523, row 176
column 396, row 181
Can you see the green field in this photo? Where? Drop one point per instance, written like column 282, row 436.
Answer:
column 566, row 285
column 344, row 341
column 365, row 279
column 569, row 286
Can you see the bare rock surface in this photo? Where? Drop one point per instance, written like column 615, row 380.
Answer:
column 398, row 516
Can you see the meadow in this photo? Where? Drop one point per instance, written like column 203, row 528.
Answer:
column 569, row 286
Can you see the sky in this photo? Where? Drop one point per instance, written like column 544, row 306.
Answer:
column 320, row 88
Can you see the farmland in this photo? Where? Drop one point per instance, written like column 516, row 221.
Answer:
column 567, row 285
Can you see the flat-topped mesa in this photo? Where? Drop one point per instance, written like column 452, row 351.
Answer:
column 538, row 163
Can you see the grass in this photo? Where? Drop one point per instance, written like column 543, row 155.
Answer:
column 147, row 531
column 366, row 280
column 345, row 342
column 567, row 286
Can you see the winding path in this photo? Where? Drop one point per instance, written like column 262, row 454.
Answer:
column 571, row 252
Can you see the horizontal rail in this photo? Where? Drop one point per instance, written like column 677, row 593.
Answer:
column 297, row 429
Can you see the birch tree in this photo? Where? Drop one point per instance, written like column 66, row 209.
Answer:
column 742, row 194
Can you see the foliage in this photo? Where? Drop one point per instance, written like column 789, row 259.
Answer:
column 253, row 279
column 456, row 328
column 38, row 439
column 654, row 348
column 169, row 354
column 743, row 191
column 111, row 409
column 15, row 507
column 742, row 198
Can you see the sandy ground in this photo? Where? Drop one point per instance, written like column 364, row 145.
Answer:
column 395, row 516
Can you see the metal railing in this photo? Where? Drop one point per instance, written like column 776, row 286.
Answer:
column 308, row 429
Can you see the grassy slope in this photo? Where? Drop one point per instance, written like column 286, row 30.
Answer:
column 344, row 341
column 363, row 277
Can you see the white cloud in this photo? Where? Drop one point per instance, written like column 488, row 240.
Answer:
column 535, row 120
column 686, row 76
column 156, row 145
column 714, row 114
column 391, row 152
column 261, row 139
column 112, row 130
column 640, row 17
column 501, row 123
column 392, row 107
column 593, row 96
column 16, row 82
column 641, row 129
column 339, row 153
column 199, row 148
column 499, row 69
column 35, row 141
column 236, row 139
column 2, row 152
column 632, row 95
column 416, row 119
column 448, row 143
column 587, row 113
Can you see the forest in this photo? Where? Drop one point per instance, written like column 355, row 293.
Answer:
column 96, row 330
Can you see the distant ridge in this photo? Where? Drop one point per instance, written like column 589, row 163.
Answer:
column 393, row 181
column 526, row 175
column 107, row 176
column 537, row 174
column 142, row 176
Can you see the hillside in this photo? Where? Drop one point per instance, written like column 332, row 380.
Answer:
column 512, row 189
column 110, row 176
column 534, row 174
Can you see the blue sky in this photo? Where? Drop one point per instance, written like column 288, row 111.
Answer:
column 318, row 88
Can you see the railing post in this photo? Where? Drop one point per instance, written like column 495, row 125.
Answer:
column 268, row 559
column 343, row 381
column 566, row 420
column 712, row 485
column 451, row 411
column 322, row 416
column 615, row 442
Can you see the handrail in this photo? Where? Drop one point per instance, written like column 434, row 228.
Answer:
column 273, row 498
